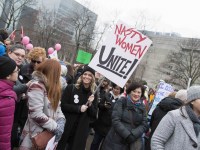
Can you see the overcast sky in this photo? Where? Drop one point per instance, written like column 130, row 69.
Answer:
column 181, row 16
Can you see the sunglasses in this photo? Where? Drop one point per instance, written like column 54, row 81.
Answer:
column 35, row 61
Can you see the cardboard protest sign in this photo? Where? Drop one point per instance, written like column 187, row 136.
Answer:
column 120, row 53
column 163, row 91
column 83, row 57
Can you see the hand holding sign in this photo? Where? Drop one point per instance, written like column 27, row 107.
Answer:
column 90, row 100
column 84, row 108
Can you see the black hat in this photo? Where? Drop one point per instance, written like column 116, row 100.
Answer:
column 87, row 68
column 7, row 66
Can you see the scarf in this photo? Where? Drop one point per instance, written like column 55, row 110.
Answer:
column 194, row 119
column 138, row 103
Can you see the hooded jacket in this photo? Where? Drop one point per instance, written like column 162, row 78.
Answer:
column 166, row 105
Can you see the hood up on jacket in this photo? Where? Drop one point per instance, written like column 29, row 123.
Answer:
column 170, row 103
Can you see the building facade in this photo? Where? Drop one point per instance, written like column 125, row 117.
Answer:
column 163, row 44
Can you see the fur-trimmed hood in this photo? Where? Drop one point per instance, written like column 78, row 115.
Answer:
column 39, row 76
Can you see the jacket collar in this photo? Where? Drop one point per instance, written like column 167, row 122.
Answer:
column 39, row 76
column 188, row 126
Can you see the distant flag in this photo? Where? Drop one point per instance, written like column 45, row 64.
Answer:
column 12, row 35
column 22, row 32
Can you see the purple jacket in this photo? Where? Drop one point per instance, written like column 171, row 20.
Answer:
column 7, row 108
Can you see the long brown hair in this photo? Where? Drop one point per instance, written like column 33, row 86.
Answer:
column 52, row 70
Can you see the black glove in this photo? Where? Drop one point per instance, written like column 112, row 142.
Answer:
column 130, row 139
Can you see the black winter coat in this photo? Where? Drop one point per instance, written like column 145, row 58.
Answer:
column 103, row 124
column 126, row 119
column 164, row 106
column 77, row 123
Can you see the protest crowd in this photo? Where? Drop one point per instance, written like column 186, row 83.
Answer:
column 44, row 99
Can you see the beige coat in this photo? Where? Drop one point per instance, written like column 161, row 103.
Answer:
column 41, row 115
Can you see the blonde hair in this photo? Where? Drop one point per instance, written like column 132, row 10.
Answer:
column 37, row 52
column 52, row 69
column 172, row 94
column 92, row 84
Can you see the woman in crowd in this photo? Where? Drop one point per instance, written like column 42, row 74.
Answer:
column 103, row 124
column 8, row 76
column 179, row 129
column 36, row 56
column 129, row 121
column 167, row 104
column 44, row 96
column 79, row 106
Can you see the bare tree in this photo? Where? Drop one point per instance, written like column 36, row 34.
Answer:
column 49, row 29
column 184, row 64
column 11, row 10
column 83, row 22
column 44, row 28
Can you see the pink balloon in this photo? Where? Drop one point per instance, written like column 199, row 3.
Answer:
column 50, row 50
column 57, row 46
column 29, row 46
column 25, row 40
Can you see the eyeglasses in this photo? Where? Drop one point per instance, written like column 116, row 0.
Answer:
column 19, row 55
column 35, row 61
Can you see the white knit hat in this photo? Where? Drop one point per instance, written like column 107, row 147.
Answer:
column 182, row 95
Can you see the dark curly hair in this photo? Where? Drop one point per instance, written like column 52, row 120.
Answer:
column 133, row 86
column 3, row 35
column 114, row 86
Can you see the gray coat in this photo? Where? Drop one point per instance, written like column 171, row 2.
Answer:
column 175, row 132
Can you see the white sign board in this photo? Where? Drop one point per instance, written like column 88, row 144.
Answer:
column 163, row 91
column 54, row 55
column 120, row 53
column 51, row 144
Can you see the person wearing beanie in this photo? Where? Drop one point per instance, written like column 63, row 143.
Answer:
column 169, row 103
column 182, row 95
column 180, row 128
column 79, row 105
column 8, row 76
column 87, row 68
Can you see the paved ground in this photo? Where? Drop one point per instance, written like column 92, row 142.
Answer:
column 89, row 141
